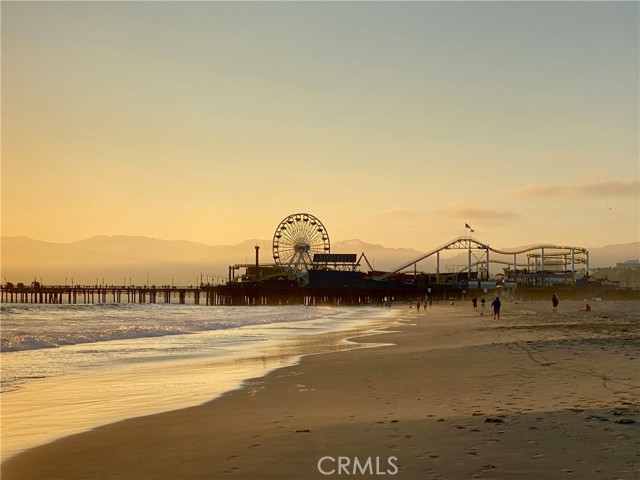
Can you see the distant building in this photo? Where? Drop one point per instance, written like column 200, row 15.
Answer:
column 629, row 264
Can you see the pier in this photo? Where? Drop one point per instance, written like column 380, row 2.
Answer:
column 275, row 293
column 58, row 294
column 306, row 272
column 235, row 293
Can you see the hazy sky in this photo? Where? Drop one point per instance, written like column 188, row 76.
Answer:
column 395, row 123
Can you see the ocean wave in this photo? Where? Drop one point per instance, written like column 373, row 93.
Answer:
column 18, row 342
column 51, row 327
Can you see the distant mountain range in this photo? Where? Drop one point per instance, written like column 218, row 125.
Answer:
column 134, row 259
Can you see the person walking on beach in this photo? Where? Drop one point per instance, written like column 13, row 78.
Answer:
column 496, row 308
column 482, row 302
column 555, row 302
column 474, row 300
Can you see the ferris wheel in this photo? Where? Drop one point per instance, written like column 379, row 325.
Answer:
column 296, row 240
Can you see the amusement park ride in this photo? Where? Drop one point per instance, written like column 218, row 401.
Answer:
column 297, row 240
column 301, row 245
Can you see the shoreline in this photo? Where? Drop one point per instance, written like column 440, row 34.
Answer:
column 80, row 402
column 456, row 396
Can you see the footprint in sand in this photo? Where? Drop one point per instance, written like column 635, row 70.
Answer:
column 493, row 420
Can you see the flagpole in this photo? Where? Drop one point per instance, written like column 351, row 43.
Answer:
column 467, row 226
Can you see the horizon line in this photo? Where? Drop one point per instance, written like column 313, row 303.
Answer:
column 2, row 236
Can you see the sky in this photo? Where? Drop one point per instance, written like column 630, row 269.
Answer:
column 396, row 123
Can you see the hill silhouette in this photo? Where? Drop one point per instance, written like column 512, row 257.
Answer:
column 133, row 259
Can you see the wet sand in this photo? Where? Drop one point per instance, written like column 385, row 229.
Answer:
column 532, row 395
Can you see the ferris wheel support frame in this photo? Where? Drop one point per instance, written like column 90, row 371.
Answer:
column 296, row 239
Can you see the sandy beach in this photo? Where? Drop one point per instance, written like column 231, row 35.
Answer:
column 533, row 395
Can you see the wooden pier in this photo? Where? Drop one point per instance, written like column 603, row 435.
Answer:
column 237, row 294
column 58, row 294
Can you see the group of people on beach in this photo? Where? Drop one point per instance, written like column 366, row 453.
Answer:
column 427, row 302
column 495, row 306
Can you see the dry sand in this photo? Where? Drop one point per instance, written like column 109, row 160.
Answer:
column 459, row 395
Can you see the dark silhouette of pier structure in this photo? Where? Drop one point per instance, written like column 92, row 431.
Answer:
column 331, row 279
column 85, row 294
column 281, row 292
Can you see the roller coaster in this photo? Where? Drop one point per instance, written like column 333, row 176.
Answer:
column 542, row 261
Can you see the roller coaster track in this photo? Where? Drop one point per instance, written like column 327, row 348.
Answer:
column 470, row 243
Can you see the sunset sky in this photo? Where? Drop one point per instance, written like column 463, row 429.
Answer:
column 395, row 123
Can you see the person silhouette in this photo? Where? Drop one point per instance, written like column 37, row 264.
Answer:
column 555, row 302
column 496, row 308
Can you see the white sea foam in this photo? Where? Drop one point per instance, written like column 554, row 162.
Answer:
column 34, row 326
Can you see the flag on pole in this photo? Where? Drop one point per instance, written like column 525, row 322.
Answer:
column 466, row 225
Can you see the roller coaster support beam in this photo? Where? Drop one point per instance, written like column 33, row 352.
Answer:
column 587, row 257
column 487, row 255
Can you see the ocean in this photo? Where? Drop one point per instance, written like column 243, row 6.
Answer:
column 69, row 368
